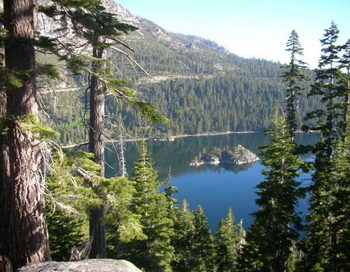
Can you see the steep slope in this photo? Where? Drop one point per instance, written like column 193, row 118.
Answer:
column 197, row 84
column 175, row 55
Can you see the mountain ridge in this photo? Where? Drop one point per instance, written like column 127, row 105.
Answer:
column 197, row 84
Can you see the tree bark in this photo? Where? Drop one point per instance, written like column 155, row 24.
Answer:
column 96, row 146
column 5, row 263
column 27, row 233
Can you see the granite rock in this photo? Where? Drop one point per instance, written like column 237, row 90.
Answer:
column 90, row 265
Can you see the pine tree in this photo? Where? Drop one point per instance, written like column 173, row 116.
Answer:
column 67, row 232
column 227, row 243
column 183, row 239
column 325, row 85
column 99, row 25
column 320, row 234
column 273, row 235
column 203, row 243
column 344, row 83
column 326, row 239
column 253, row 256
column 294, row 75
column 340, row 176
column 340, row 206
column 74, row 189
column 101, row 30
column 155, row 252
column 26, row 238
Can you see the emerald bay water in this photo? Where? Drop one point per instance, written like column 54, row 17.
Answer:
column 216, row 188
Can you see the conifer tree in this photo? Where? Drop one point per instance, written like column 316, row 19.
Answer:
column 340, row 206
column 328, row 222
column 344, row 83
column 96, row 27
column 227, row 243
column 294, row 75
column 325, row 86
column 169, row 192
column 155, row 252
column 26, row 238
column 253, row 256
column 4, row 173
column 320, row 235
column 67, row 232
column 183, row 239
column 340, row 176
column 100, row 30
column 23, row 81
column 273, row 234
column 203, row 243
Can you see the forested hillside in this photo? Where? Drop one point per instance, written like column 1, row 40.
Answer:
column 200, row 88
column 195, row 83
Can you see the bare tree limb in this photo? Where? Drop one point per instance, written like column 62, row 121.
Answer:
column 131, row 59
column 120, row 42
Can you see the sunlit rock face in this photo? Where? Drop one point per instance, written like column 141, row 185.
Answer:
column 239, row 155
column 92, row 265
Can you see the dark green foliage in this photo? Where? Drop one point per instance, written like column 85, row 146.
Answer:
column 323, row 228
column 253, row 256
column 183, row 240
column 319, row 233
column 273, row 235
column 340, row 206
column 75, row 190
column 155, row 252
column 67, row 203
column 344, row 84
column 203, row 243
column 227, row 244
column 294, row 74
column 325, row 86
column 66, row 231
column 192, row 106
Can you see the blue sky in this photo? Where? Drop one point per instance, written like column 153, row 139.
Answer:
column 250, row 28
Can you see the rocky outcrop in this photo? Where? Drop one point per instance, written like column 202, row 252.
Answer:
column 91, row 265
column 239, row 155
column 211, row 159
column 196, row 163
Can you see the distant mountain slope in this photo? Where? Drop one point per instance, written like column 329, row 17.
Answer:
column 197, row 84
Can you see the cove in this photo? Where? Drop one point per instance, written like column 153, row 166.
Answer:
column 217, row 187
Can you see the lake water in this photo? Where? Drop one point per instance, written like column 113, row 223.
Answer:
column 216, row 188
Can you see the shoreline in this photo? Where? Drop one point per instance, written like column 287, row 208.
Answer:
column 182, row 136
column 172, row 137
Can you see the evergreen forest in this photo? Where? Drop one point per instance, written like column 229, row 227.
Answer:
column 113, row 84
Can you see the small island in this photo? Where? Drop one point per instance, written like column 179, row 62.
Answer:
column 238, row 155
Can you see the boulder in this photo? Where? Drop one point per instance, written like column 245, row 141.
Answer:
column 91, row 265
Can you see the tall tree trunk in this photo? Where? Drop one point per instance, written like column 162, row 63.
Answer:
column 5, row 264
column 96, row 146
column 27, row 232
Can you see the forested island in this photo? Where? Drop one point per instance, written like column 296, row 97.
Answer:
column 57, row 204
column 238, row 155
